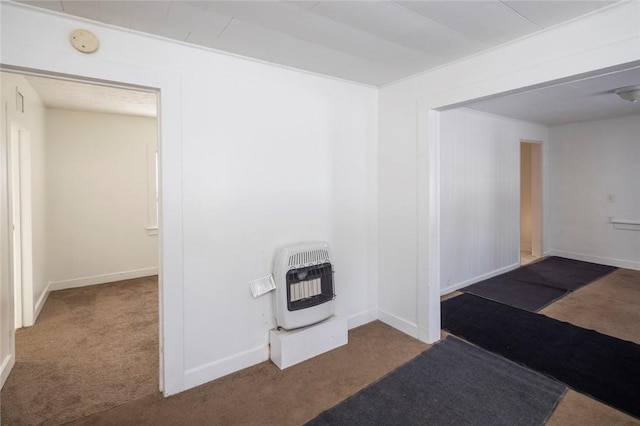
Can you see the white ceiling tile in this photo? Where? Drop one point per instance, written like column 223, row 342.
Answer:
column 45, row 4
column 382, row 18
column 290, row 20
column 98, row 11
column 147, row 9
column 255, row 41
column 304, row 4
column 440, row 42
column 550, row 12
column 609, row 82
column 587, row 99
column 486, row 21
column 199, row 24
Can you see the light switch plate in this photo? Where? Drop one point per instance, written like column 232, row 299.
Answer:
column 262, row 286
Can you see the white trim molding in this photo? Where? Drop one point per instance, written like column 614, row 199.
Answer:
column 5, row 368
column 609, row 261
column 362, row 318
column 40, row 303
column 458, row 286
column 398, row 323
column 102, row 279
column 214, row 370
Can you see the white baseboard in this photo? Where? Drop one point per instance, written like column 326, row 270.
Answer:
column 474, row 280
column 102, row 279
column 398, row 323
column 619, row 263
column 40, row 303
column 214, row 370
column 362, row 318
column 5, row 368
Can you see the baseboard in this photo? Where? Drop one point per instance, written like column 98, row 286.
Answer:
column 398, row 323
column 40, row 303
column 474, row 280
column 208, row 372
column 619, row 263
column 102, row 279
column 5, row 368
column 362, row 318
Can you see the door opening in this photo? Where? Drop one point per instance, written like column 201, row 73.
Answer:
column 530, row 202
column 22, row 147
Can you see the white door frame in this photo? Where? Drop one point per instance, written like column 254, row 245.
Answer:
column 21, row 224
column 537, row 198
column 166, row 85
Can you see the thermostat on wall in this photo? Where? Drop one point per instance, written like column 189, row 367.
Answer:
column 84, row 41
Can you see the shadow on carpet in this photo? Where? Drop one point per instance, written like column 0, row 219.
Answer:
column 453, row 383
column 534, row 286
column 602, row 366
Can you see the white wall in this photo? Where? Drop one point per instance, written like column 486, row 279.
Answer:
column 480, row 194
column 587, row 162
column 252, row 157
column 97, row 187
column 33, row 120
column 409, row 230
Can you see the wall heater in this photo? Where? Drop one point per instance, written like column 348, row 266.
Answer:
column 304, row 292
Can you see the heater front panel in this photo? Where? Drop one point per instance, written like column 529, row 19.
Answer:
column 309, row 286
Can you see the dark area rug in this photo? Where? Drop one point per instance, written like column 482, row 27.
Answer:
column 453, row 383
column 534, row 286
column 602, row 366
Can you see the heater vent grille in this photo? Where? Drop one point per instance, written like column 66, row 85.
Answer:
column 311, row 257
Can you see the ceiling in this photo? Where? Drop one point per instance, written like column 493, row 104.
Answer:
column 581, row 100
column 91, row 97
column 372, row 42
column 365, row 41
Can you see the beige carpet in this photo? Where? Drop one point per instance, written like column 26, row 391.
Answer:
column 92, row 359
column 610, row 305
column 92, row 348
column 265, row 395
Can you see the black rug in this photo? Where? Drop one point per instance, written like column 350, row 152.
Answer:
column 534, row 286
column 453, row 383
column 590, row 362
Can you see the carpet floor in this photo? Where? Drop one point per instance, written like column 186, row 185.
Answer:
column 92, row 348
column 596, row 364
column 538, row 284
column 610, row 305
column 453, row 383
column 260, row 395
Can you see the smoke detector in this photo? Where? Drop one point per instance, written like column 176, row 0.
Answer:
column 84, row 41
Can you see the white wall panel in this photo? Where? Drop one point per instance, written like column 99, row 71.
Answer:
column 589, row 161
column 480, row 193
column 253, row 157
column 607, row 39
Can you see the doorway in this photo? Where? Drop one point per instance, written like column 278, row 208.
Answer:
column 74, row 143
column 530, row 201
